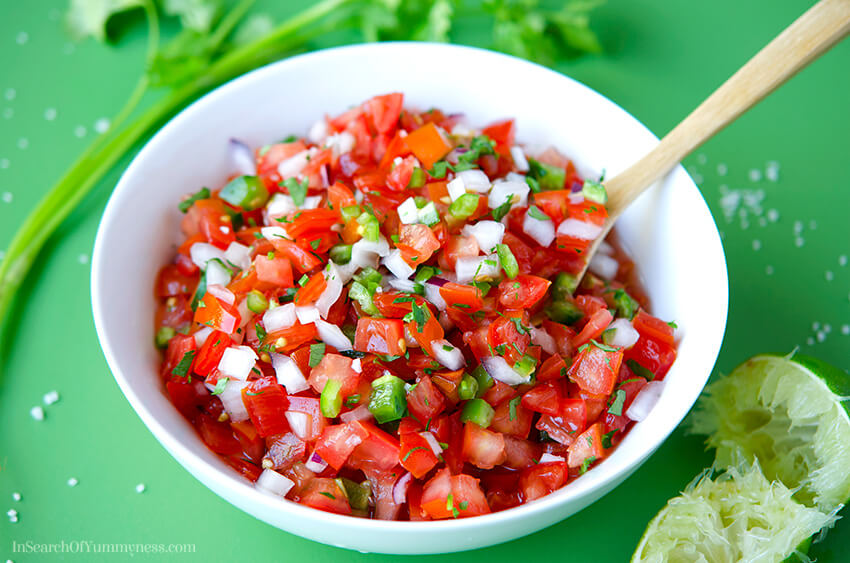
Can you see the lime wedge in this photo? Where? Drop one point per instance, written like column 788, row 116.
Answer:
column 738, row 516
column 790, row 414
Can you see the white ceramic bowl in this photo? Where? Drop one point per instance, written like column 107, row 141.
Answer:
column 668, row 231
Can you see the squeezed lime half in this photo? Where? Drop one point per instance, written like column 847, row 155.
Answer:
column 738, row 516
column 790, row 414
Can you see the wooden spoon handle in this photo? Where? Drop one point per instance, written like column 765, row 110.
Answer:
column 826, row 23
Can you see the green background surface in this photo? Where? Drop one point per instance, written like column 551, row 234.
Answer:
column 789, row 284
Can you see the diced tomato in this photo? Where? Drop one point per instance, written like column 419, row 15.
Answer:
column 595, row 369
column 397, row 147
column 311, row 291
column 552, row 369
column 378, row 449
column 266, row 402
column 340, row 196
column 594, row 328
column 498, row 393
column 334, row 366
column 511, row 418
column 211, row 352
column 523, row 292
column 309, row 406
column 178, row 347
column 588, row 446
column 520, row 453
column 188, row 397
column 415, row 454
column 218, row 315
column 428, row 332
column 425, row 401
column 337, row 442
column 245, row 468
column 308, row 223
column 210, row 219
column 590, row 304
column 301, row 258
column 253, row 445
column 384, row 111
column 543, row 398
column 502, row 132
column 481, row 447
column 652, row 354
column 650, row 326
column 218, row 436
column 417, row 243
column 467, row 298
column 630, row 388
column 521, row 251
column 285, row 450
column 458, row 246
column 380, row 336
column 174, row 312
column 467, row 497
column 447, row 382
column 287, row 339
column 542, row 479
column 326, row 494
column 382, row 483
column 399, row 177
column 428, row 144
column 172, row 281
column 505, row 332
column 563, row 336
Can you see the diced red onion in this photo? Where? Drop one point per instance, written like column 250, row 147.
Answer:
column 541, row 231
column 273, row 483
column 604, row 266
column 451, row 358
column 541, row 338
column 333, row 335
column 202, row 252
column 360, row 413
column 575, row 188
column 549, row 458
column 239, row 255
column 520, row 162
column 499, row 370
column 299, row 423
column 231, row 400
column 436, row 281
column 474, row 181
column 432, row 443
column 400, row 488
column 625, row 335
column 579, row 229
column 487, row 233
column 501, row 191
column 316, row 464
column 289, row 374
column 201, row 335
column 242, row 157
column 332, row 291
column 396, row 264
column 279, row 317
column 221, row 293
column 237, row 362
column 645, row 400
column 306, row 314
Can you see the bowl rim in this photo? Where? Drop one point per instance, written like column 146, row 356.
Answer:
column 198, row 467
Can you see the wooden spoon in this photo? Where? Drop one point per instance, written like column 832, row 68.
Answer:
column 813, row 33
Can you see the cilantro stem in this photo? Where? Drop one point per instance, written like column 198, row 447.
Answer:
column 104, row 153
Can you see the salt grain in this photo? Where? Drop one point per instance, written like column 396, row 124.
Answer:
column 22, row 38
column 798, row 227
column 23, row 143
column 37, row 413
column 698, row 179
column 772, row 215
column 140, row 488
column 4, row 163
column 701, row 158
column 50, row 114
column 72, row 482
column 50, row 397
column 83, row 258
column 79, row 131
column 10, row 94
column 13, row 515
column 7, row 197
column 722, row 169
column 756, row 244
column 16, row 497
column 842, row 260
column 821, row 336
column 815, row 326
column 799, row 242
column 771, row 172
column 8, row 113
column 755, row 175
column 101, row 125
column 768, row 270
column 845, row 329
column 827, row 328
column 810, row 341
column 828, row 275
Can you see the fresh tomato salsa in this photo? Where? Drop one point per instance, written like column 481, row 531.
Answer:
column 383, row 319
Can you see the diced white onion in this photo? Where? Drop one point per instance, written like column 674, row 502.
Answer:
column 501, row 191
column 549, row 458
column 239, row 255
column 273, row 483
column 579, row 229
column 293, row 165
column 487, row 233
column 645, row 400
column 289, row 374
column 605, row 248
column 499, row 370
column 279, row 317
column 474, row 180
column 332, row 291
column 202, row 335
column 356, row 365
column 245, row 315
column 333, row 335
column 541, row 338
column 445, row 321
column 231, row 400
column 221, row 293
column 202, row 252
column 407, row 286
column 625, row 335
column 432, row 442
column 604, row 266
column 312, row 202
column 433, row 296
column 274, row 232
column 396, row 264
column 408, row 213
column 298, row 423
column 482, row 268
column 237, row 362
column 448, row 355
column 462, row 130
column 217, row 274
column 306, row 314
column 520, row 161
column 242, row 158
column 360, row 413
column 455, row 188
column 280, row 205
column 541, row 231
column 576, row 198
column 316, row 464
column 340, row 143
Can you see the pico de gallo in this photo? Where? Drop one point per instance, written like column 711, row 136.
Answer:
column 383, row 319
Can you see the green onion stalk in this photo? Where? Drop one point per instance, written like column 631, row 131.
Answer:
column 102, row 155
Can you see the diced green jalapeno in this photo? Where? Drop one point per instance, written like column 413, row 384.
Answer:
column 484, row 380
column 330, row 401
column 428, row 214
column 358, row 292
column 594, row 191
column 477, row 411
column 548, row 177
column 257, row 302
column 370, row 226
column 507, row 260
column 358, row 494
column 388, row 401
column 467, row 388
column 526, row 365
column 425, row 273
column 163, row 335
column 564, row 286
column 369, row 275
column 626, row 305
column 341, row 254
column 247, row 192
column 464, row 206
column 564, row 312
column 350, row 212
column 417, row 178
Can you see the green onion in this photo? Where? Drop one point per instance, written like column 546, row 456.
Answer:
column 548, row 177
column 330, row 401
column 467, row 388
column 341, row 254
column 478, row 411
column 483, row 379
column 247, row 192
column 257, row 302
column 388, row 401
column 507, row 260
column 594, row 191
column 163, row 335
column 564, row 312
column 203, row 193
column 464, row 206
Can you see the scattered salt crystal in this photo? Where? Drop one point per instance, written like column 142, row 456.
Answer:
column 101, row 125
column 7, row 197
column 813, row 224
column 722, row 169
column 23, row 143
column 815, row 326
column 10, row 94
column 756, row 244
column 16, row 497
column 827, row 328
column 8, row 113
column 72, row 482
column 845, row 329
column 842, row 260
column 68, row 48
column 772, row 171
column 13, row 515
column 37, row 413
column 50, row 114
column 829, row 275
column 4, row 163
column 821, row 336
column 772, row 215
column 50, row 397
column 79, row 131
column 745, row 224
column 83, row 258
column 698, row 178
column 762, row 222
column 798, row 227
column 22, row 38
column 768, row 270
column 140, row 488
column 799, row 242
column 701, row 158
column 755, row 175
column 810, row 341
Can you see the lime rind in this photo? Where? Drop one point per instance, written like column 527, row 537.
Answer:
column 738, row 516
column 789, row 415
